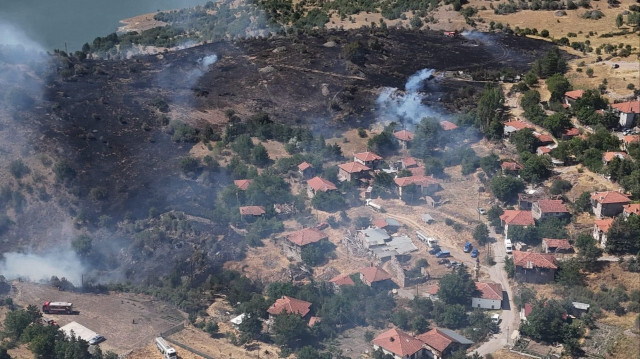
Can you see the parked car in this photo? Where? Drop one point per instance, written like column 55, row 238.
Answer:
column 467, row 247
column 443, row 261
column 474, row 253
column 443, row 254
column 495, row 319
column 434, row 250
column 97, row 339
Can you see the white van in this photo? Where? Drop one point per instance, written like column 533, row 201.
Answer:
column 508, row 246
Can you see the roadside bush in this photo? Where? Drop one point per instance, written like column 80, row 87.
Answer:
column 18, row 169
column 183, row 132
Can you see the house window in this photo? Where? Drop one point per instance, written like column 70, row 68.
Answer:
column 478, row 305
column 492, row 306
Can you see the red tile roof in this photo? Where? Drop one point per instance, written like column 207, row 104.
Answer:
column 574, row 95
column 242, row 184
column 511, row 166
column 608, row 156
column 544, row 149
column 632, row 208
column 433, row 289
column 354, row 167
column 304, row 165
column 374, row 274
column 628, row 107
column 448, row 126
column 516, row 217
column 314, row 320
column 321, row 184
column 417, row 171
column 342, row 279
column 398, row 342
column 610, row 197
column 604, row 224
column 544, row 138
column 557, row 243
column 367, row 156
column 421, row 180
column 306, row 236
column 532, row 260
column 404, row 135
column 409, row 162
column 528, row 308
column 552, row 206
column 489, row 290
column 631, row 139
column 571, row 132
column 436, row 339
column 289, row 305
column 380, row 223
column 518, row 125
column 252, row 211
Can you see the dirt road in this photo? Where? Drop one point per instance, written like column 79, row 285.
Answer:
column 509, row 316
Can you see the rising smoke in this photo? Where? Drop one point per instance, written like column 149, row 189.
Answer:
column 41, row 267
column 407, row 106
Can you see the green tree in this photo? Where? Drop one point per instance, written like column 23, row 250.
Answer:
column 589, row 72
column 82, row 244
column 536, row 169
column 509, row 267
column 260, row 156
column 557, row 85
column 588, row 252
column 433, row 166
column 251, row 326
column 315, row 254
column 15, row 322
column 525, row 141
column 506, row 188
column 560, row 186
column 624, row 235
column 619, row 20
column 331, row 201
column 557, row 123
column 427, row 138
column 18, row 169
column 544, row 323
column 490, row 164
column 530, row 78
column 289, row 329
column 384, row 143
column 583, row 203
column 457, row 287
column 490, row 110
column 493, row 215
column 481, row 233
column 410, row 193
column 569, row 273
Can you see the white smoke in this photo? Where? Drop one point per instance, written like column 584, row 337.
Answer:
column 12, row 36
column 207, row 61
column 478, row 36
column 41, row 267
column 407, row 105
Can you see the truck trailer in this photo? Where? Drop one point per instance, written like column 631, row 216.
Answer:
column 57, row 308
column 166, row 349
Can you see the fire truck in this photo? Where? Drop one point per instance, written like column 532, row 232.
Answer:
column 57, row 308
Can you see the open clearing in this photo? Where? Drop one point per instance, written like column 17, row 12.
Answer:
column 111, row 315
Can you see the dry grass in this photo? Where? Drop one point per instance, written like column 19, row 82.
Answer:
column 275, row 149
column 612, row 275
column 505, row 354
column 626, row 346
column 585, row 181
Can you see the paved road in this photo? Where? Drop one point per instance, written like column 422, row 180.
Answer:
column 510, row 318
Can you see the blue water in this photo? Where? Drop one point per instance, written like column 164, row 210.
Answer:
column 54, row 22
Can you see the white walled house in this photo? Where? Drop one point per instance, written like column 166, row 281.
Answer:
column 628, row 112
column 489, row 296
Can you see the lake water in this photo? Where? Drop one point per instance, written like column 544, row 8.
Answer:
column 52, row 22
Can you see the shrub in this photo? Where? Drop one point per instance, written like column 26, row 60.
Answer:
column 18, row 169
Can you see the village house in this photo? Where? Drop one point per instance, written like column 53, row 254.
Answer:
column 313, row 321
column 293, row 243
column 319, row 184
column 546, row 208
column 372, row 237
column 509, row 167
column 404, row 137
column 570, row 133
column 398, row 246
column 368, row 159
column 306, row 170
column 514, row 126
column 249, row 212
column 289, row 305
column 600, row 230
column 442, row 342
column 551, row 245
column 543, row 150
column 432, row 291
column 608, row 204
column 408, row 162
column 578, row 309
column 609, row 156
column 544, row 139
column 242, row 184
column 516, row 217
column 376, row 277
column 526, row 309
column 526, row 200
column 628, row 140
column 388, row 224
column 628, row 112
column 534, row 267
column 352, row 171
column 489, row 296
column 427, row 184
column 341, row 280
column 448, row 126
column 399, row 344
column 570, row 97
column 631, row 209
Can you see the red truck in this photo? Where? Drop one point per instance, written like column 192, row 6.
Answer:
column 57, row 308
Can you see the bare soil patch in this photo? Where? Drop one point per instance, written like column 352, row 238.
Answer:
column 111, row 315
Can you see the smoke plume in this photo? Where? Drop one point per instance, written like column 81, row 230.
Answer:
column 407, row 106
column 41, row 267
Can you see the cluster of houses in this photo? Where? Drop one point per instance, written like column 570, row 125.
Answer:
column 607, row 205
column 434, row 344
column 627, row 111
